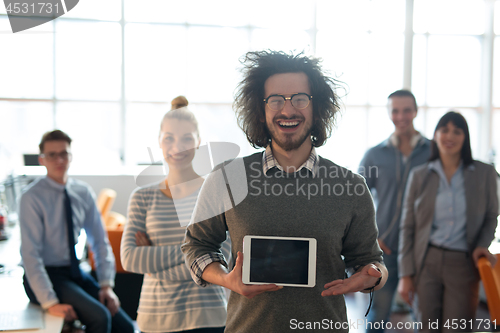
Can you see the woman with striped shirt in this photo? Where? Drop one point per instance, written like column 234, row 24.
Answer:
column 157, row 216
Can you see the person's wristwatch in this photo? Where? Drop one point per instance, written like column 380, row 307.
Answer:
column 378, row 281
column 358, row 267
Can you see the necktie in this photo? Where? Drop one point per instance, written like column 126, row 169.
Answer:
column 75, row 268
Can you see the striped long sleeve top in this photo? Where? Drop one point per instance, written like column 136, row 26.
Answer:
column 170, row 300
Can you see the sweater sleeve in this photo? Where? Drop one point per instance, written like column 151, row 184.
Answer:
column 145, row 259
column 207, row 230
column 360, row 246
column 181, row 272
column 176, row 273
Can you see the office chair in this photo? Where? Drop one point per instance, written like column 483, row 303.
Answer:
column 113, row 223
column 491, row 282
column 105, row 201
column 127, row 285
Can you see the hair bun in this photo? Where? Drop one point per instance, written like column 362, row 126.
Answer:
column 179, row 102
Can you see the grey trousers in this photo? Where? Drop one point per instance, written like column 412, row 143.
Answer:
column 447, row 292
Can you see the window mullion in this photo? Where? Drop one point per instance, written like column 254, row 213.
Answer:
column 408, row 45
column 486, row 94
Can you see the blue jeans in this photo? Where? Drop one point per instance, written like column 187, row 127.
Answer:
column 83, row 296
column 383, row 298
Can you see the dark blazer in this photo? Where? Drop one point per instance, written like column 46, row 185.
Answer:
column 480, row 181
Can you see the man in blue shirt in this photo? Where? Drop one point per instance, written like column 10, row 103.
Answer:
column 386, row 168
column 53, row 279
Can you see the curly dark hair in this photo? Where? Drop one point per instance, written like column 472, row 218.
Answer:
column 250, row 107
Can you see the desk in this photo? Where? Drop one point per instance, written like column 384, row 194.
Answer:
column 12, row 293
column 14, row 298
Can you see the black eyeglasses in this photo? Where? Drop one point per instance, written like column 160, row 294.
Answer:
column 54, row 156
column 277, row 102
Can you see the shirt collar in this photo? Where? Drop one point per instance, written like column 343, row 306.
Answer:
column 55, row 185
column 437, row 166
column 394, row 140
column 269, row 161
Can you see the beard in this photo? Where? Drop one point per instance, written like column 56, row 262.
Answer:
column 286, row 141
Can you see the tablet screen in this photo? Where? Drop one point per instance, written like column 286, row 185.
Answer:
column 279, row 261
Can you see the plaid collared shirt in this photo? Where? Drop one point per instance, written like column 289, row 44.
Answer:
column 269, row 161
column 199, row 265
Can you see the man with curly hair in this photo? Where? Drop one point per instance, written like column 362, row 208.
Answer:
column 286, row 105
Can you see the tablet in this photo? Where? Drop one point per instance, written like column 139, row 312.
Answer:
column 284, row 261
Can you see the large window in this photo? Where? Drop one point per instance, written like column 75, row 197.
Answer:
column 106, row 71
column 364, row 50
column 447, row 59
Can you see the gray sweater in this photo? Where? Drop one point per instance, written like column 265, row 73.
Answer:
column 335, row 207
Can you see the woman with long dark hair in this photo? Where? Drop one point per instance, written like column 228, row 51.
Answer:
column 449, row 220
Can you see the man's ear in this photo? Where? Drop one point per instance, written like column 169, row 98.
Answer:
column 40, row 160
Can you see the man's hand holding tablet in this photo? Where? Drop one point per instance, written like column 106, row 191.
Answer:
column 216, row 273
column 366, row 278
column 285, row 261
